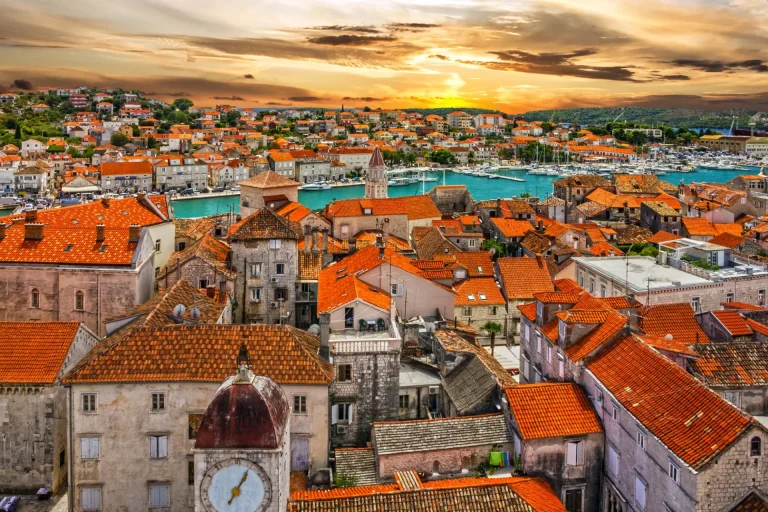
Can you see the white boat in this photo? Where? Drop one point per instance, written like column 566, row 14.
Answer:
column 399, row 182
column 320, row 185
column 538, row 172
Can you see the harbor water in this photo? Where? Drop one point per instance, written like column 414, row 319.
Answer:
column 480, row 188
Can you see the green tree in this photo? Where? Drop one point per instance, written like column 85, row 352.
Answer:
column 135, row 131
column 182, row 103
column 17, row 135
column 492, row 328
column 151, row 142
column 442, row 156
column 547, row 127
column 471, row 157
column 119, row 139
column 232, row 117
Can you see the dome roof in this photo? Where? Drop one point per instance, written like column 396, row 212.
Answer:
column 247, row 412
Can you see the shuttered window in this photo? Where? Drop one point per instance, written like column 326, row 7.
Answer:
column 640, row 490
column 90, row 498
column 159, row 496
column 158, row 447
column 613, row 461
column 574, row 455
column 89, row 447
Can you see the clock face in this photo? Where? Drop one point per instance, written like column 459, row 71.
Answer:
column 235, row 485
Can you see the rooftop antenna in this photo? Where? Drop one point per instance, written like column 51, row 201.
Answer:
column 179, row 310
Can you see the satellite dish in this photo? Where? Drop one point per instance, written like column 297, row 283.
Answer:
column 194, row 313
column 179, row 310
column 314, row 329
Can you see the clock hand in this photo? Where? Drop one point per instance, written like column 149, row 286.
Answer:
column 236, row 490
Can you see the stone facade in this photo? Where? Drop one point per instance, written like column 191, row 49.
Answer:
column 452, row 199
column 180, row 174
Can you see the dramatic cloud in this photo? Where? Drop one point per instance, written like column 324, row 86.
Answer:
column 229, row 98
column 24, row 85
column 363, row 29
column 351, row 40
column 411, row 27
column 544, row 59
column 304, row 99
column 440, row 57
column 248, row 76
column 716, row 66
column 363, row 98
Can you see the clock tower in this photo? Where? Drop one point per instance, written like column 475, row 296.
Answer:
column 242, row 451
column 376, row 182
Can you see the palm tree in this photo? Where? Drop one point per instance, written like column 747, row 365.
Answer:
column 492, row 328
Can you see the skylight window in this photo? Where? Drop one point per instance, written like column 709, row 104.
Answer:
column 75, row 221
column 482, row 296
column 471, row 296
column 103, row 248
column 68, row 247
column 124, row 212
column 479, row 269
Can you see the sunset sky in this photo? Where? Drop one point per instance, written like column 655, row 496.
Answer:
column 510, row 55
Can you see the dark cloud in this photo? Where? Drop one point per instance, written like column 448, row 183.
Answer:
column 305, row 98
column 351, row 40
column 438, row 56
column 24, row 85
column 756, row 101
column 716, row 66
column 172, row 94
column 362, row 29
column 275, row 104
column 559, row 64
column 248, row 76
column 411, row 27
column 672, row 77
column 229, row 98
column 369, row 99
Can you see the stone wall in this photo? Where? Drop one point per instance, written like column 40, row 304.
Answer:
column 196, row 272
column 450, row 200
column 454, row 461
column 252, row 198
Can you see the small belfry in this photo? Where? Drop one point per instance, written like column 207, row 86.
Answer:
column 376, row 183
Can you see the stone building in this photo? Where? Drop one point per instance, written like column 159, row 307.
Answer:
column 395, row 216
column 264, row 253
column 180, row 172
column 257, row 191
column 557, row 436
column 443, row 446
column 66, row 265
column 34, row 356
column 202, row 264
column 126, row 176
column 376, row 183
column 478, row 301
column 143, row 428
column 520, row 279
column 451, row 199
column 659, row 216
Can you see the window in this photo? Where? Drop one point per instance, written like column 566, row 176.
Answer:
column 574, row 455
column 561, row 366
column 157, row 402
column 397, row 289
column 159, row 496
column 492, row 310
column 674, row 472
column 615, row 411
column 281, row 293
column 466, row 311
column 761, row 297
column 344, row 373
column 549, row 352
column 341, row 413
column 602, row 290
column 538, row 342
column 203, row 284
column 280, row 269
column 157, row 245
column 193, row 421
column 299, row 404
column 306, row 288
column 518, row 448
column 182, row 246
column 755, row 447
column 471, row 242
column 191, row 472
column 641, row 439
column 255, row 269
column 640, row 489
column 404, row 401
column 79, row 301
column 89, row 403
column 90, row 498
column 89, row 448
column 255, row 294
column 527, row 332
column 158, row 447
column 275, row 243
column 729, row 297
column 35, row 298
column 349, row 318
column 574, row 500
column 62, row 458
column 591, row 286
column 696, row 304
column 613, row 461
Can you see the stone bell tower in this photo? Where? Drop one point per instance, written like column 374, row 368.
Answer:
column 376, row 183
column 242, row 451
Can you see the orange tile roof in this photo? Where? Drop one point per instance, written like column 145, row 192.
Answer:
column 614, row 324
column 732, row 365
column 126, row 168
column 477, row 263
column 552, row 409
column 733, row 322
column 667, row 343
column 512, row 228
column 269, row 179
column 34, row 352
column 692, row 421
column 583, row 316
column 557, row 297
column 264, row 224
column 206, row 353
column 566, row 285
column 605, row 249
column 732, row 228
column 741, row 305
column 528, row 310
column 699, row 226
column 478, row 288
column 663, row 236
column 113, row 213
column 727, row 239
column 676, row 319
column 522, row 278
column 619, row 302
column 294, row 211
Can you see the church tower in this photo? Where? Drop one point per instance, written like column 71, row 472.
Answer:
column 376, row 183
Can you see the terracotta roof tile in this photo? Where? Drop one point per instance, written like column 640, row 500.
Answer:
column 194, row 228
column 676, row 319
column 208, row 249
column 479, row 291
column 566, row 285
column 571, row 297
column 732, row 365
column 528, row 310
column 692, row 421
column 727, row 239
column 34, row 352
column 552, row 410
column 269, row 179
column 754, row 502
column 524, row 277
column 732, row 228
column 206, row 353
column 663, row 236
column 698, row 226
column 512, row 228
column 293, row 211
column 126, row 168
column 605, row 249
column 733, row 322
column 614, row 324
column 536, row 243
column 264, row 224
column 477, row 263
column 667, row 343
column 741, row 305
column 113, row 213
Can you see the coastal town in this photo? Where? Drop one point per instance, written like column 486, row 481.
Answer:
column 416, row 345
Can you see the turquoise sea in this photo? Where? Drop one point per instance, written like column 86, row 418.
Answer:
column 480, row 188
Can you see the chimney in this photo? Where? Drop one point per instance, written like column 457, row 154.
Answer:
column 307, row 237
column 352, row 246
column 2, row 230
column 141, row 196
column 30, row 216
column 17, row 220
column 210, row 291
column 325, row 240
column 315, row 244
column 325, row 335
column 100, row 235
column 33, row 231
column 134, row 230
column 105, row 201
column 498, row 207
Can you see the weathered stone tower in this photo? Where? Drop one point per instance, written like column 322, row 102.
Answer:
column 376, row 183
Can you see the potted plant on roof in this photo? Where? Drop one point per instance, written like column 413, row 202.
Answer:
column 492, row 328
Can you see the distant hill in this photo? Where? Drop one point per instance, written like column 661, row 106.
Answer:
column 445, row 111
column 676, row 117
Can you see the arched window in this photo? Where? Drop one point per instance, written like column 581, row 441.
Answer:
column 756, row 447
column 436, row 466
column 79, row 301
column 35, row 300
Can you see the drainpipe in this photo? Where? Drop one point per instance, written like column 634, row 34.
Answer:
column 70, row 454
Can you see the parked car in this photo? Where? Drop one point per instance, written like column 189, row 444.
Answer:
column 218, row 189
column 235, row 187
column 188, row 192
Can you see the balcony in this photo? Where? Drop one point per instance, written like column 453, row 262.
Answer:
column 369, row 341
